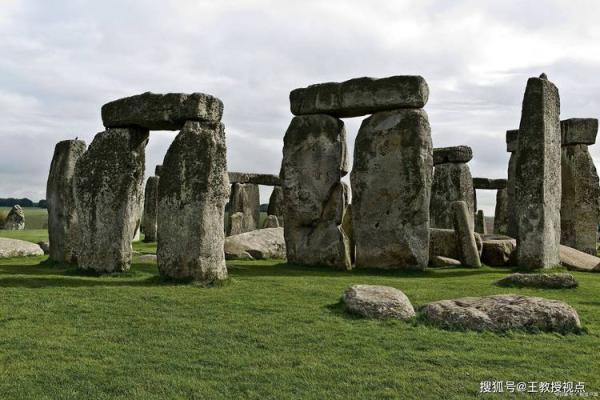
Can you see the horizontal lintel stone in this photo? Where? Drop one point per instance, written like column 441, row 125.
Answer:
column 489, row 184
column 161, row 111
column 456, row 154
column 360, row 96
column 578, row 131
column 258, row 179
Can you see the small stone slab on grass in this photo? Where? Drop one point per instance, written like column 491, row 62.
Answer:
column 503, row 313
column 542, row 281
column 379, row 302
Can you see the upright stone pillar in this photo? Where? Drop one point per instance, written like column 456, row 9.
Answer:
column 276, row 204
column 480, row 223
column 580, row 207
column 452, row 181
column 538, row 176
column 192, row 192
column 512, row 144
column 245, row 199
column 314, row 161
column 150, row 209
column 391, row 190
column 108, row 185
column 62, row 216
column 501, row 212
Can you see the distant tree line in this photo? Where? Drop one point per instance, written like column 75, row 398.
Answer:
column 9, row 202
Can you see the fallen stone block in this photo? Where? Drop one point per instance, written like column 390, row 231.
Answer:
column 542, row 281
column 503, row 313
column 378, row 302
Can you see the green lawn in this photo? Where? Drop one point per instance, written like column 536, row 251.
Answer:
column 276, row 331
column 35, row 218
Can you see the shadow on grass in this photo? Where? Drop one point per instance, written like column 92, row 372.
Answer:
column 292, row 270
column 51, row 274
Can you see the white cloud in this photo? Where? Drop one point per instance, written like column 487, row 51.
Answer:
column 61, row 60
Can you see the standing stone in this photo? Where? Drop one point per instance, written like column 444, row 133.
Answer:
column 580, row 207
column 512, row 143
column 314, row 161
column 236, row 223
column 271, row 222
column 192, row 192
column 62, row 218
column 150, row 209
column 538, row 176
column 347, row 228
column 452, row 181
column 15, row 220
column 245, row 198
column 480, row 222
column 501, row 212
column 463, row 227
column 276, row 204
column 391, row 190
column 108, row 183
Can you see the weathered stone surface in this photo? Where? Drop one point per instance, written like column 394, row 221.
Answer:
column 444, row 243
column 502, row 313
column 62, row 216
column 15, row 220
column 498, row 252
column 314, row 161
column 45, row 246
column 380, row 302
column 276, row 206
column 510, row 191
column 157, row 170
column 349, row 232
column 161, row 111
column 236, row 223
column 512, row 140
column 271, row 222
column 489, row 184
column 441, row 261
column 151, row 209
column 578, row 131
column 501, row 212
column 360, row 96
column 580, row 202
column 538, row 176
column 258, row 179
column 577, row 260
column 480, row 226
column 391, row 190
column 245, row 199
column 192, row 192
column 451, row 182
column 256, row 245
column 463, row 228
column 108, row 184
column 544, row 281
column 18, row 248
column 455, row 154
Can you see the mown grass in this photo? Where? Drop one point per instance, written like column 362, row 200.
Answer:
column 35, row 218
column 276, row 331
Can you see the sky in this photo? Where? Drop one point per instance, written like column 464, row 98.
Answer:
column 61, row 60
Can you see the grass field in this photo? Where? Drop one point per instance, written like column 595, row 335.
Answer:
column 35, row 218
column 275, row 331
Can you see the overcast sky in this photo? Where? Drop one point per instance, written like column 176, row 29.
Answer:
column 61, row 60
